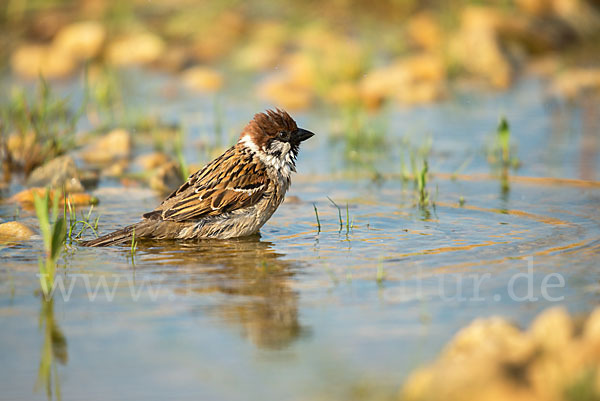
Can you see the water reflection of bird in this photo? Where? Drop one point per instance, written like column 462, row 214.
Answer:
column 232, row 196
column 254, row 278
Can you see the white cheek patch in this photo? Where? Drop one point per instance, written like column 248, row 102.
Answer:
column 278, row 156
column 282, row 147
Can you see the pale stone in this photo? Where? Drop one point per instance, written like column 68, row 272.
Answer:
column 553, row 329
column 424, row 31
column 14, row 231
column 285, row 93
column 59, row 173
column 113, row 146
column 31, row 61
column 115, row 169
column 257, row 56
column 494, row 338
column 492, row 360
column 203, row 79
column 478, row 49
column 153, row 160
column 414, row 79
column 23, row 146
column 133, row 49
column 26, row 197
column 591, row 335
column 81, row 40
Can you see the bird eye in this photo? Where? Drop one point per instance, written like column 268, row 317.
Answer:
column 283, row 136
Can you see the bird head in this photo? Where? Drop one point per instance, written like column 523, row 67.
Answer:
column 275, row 134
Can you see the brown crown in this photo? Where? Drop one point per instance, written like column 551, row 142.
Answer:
column 267, row 125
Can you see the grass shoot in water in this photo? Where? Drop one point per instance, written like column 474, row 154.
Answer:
column 501, row 156
column 53, row 235
column 77, row 227
column 133, row 247
column 41, row 128
column 364, row 138
column 423, row 193
column 503, row 139
column 347, row 219
column 339, row 212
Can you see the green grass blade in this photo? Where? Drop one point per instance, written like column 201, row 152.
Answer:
column 317, row 216
column 43, row 277
column 41, row 209
column 339, row 212
column 58, row 238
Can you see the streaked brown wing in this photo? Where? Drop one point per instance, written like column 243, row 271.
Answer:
column 230, row 182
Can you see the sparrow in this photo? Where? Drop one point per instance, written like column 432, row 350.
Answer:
column 232, row 196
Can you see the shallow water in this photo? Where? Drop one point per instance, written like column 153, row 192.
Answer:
column 298, row 313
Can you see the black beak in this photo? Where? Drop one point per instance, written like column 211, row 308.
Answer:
column 302, row 135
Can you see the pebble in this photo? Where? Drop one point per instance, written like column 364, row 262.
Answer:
column 14, row 231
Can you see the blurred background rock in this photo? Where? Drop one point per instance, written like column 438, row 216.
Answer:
column 343, row 52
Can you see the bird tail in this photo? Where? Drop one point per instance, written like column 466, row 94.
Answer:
column 121, row 236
